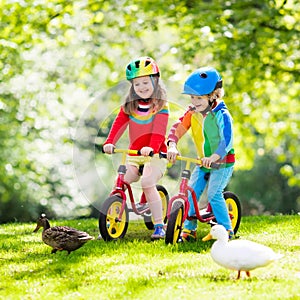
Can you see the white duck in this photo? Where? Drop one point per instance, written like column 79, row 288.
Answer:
column 240, row 255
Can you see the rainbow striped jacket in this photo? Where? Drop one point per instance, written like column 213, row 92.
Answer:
column 211, row 133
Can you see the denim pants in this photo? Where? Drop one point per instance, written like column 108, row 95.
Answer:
column 216, row 184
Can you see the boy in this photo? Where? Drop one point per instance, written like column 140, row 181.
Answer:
column 211, row 125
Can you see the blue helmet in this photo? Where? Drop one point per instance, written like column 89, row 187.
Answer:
column 203, row 81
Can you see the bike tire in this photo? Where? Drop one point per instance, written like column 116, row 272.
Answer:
column 109, row 225
column 164, row 196
column 174, row 225
column 234, row 209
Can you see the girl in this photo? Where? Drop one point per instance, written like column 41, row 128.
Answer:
column 146, row 114
column 211, row 125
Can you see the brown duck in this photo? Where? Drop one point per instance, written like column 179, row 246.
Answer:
column 61, row 237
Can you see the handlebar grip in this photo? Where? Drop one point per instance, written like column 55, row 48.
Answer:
column 162, row 155
column 215, row 166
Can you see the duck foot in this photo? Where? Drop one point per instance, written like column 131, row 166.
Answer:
column 239, row 274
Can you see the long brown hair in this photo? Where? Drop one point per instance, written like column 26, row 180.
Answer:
column 159, row 97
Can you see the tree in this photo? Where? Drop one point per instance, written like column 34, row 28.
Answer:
column 59, row 59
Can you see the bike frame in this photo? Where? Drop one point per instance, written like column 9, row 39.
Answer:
column 121, row 185
column 185, row 189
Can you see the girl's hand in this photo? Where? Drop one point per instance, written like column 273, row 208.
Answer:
column 109, row 148
column 145, row 151
column 207, row 161
column 172, row 153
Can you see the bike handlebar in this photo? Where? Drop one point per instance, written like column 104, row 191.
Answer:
column 164, row 155
column 128, row 151
column 124, row 152
column 191, row 160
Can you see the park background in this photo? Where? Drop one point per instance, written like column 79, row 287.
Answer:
column 62, row 81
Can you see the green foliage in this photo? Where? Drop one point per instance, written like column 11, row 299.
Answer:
column 264, row 190
column 59, row 59
column 134, row 268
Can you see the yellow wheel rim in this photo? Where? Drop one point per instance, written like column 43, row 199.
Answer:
column 115, row 228
column 177, row 228
column 233, row 211
column 164, row 205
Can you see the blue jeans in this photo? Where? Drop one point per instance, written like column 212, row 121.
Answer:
column 216, row 184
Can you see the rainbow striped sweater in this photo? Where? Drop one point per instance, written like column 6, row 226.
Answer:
column 144, row 129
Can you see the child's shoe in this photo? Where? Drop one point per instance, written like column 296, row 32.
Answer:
column 231, row 235
column 158, row 233
column 187, row 236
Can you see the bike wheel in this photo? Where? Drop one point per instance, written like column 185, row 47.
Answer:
column 234, row 209
column 148, row 220
column 111, row 228
column 175, row 223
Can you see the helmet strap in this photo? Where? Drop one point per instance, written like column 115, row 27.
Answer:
column 154, row 84
column 208, row 109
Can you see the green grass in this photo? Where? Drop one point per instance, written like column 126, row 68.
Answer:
column 136, row 268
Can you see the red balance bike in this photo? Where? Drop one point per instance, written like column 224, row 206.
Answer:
column 179, row 205
column 114, row 212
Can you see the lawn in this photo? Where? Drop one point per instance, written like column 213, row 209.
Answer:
column 136, row 268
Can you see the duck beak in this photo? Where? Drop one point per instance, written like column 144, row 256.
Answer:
column 207, row 238
column 37, row 228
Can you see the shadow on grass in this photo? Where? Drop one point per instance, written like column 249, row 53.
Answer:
column 137, row 232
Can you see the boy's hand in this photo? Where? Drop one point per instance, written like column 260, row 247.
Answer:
column 207, row 161
column 109, row 148
column 172, row 152
column 145, row 151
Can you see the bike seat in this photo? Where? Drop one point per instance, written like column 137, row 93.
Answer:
column 203, row 213
column 206, row 215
